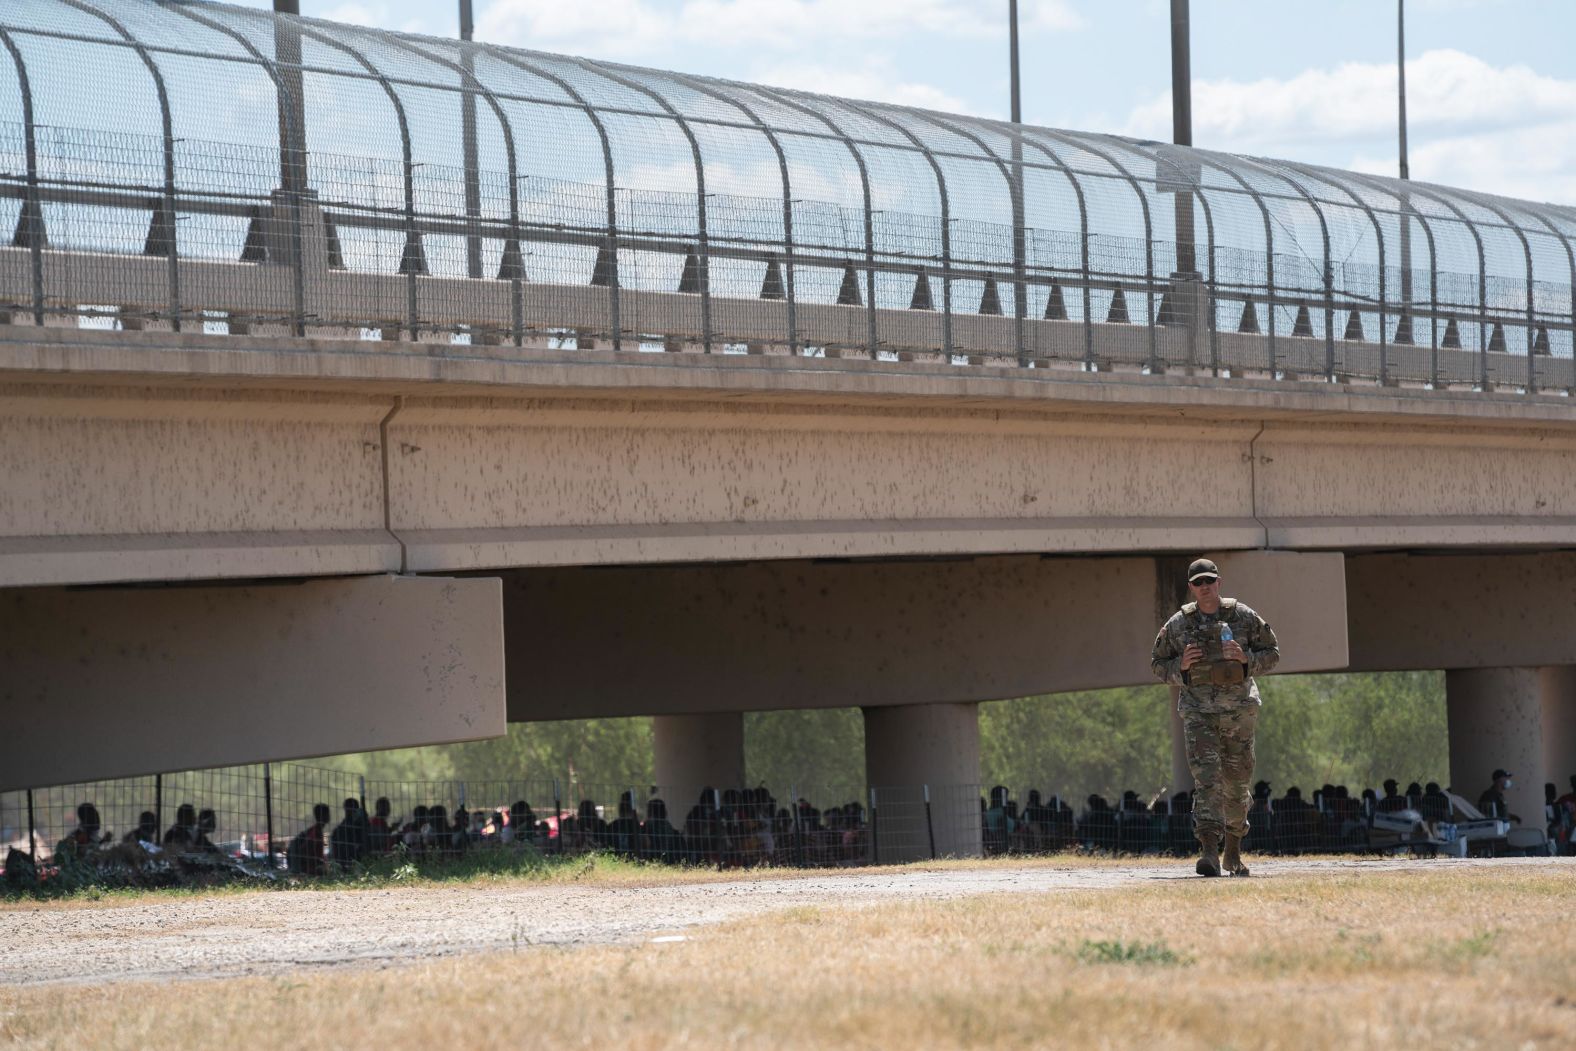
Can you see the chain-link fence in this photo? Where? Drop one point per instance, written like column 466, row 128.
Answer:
column 277, row 176
column 306, row 820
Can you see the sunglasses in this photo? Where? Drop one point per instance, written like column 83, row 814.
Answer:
column 1204, row 582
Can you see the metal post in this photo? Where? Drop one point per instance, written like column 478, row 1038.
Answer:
column 558, row 814
column 798, row 829
column 1400, row 67
column 32, row 219
column 473, row 180
column 875, row 831
column 158, row 801
column 1405, row 166
column 268, row 810
column 1012, row 36
column 292, row 106
column 362, row 793
column 1182, row 127
column 1019, row 213
column 32, row 838
column 930, row 827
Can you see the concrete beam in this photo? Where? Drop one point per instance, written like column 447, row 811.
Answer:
column 123, row 682
column 1488, row 610
column 377, row 462
column 112, row 484
column 770, row 635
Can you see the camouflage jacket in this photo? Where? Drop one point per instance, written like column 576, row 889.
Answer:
column 1190, row 624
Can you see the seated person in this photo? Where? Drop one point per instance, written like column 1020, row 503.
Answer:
column 183, row 834
column 147, row 830
column 659, row 840
column 623, row 834
column 522, row 823
column 380, row 833
column 304, row 856
column 1492, row 800
column 1434, row 805
column 349, row 842
column 1393, row 802
column 85, row 838
column 207, row 823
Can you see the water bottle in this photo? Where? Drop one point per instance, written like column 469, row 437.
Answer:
column 1225, row 632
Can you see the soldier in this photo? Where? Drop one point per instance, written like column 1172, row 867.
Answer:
column 1212, row 648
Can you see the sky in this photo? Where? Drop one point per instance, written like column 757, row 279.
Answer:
column 1490, row 83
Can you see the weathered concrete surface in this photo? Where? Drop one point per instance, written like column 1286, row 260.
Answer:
column 1496, row 722
column 799, row 634
column 126, row 681
column 1484, row 610
column 935, row 745
column 153, row 456
column 691, row 752
column 1557, row 690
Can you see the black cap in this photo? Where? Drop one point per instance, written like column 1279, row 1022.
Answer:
column 1391, row 782
column 1499, row 774
column 1202, row 567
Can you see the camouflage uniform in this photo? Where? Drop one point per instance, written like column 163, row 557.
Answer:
column 1218, row 721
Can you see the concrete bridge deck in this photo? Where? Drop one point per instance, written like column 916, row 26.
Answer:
column 224, row 456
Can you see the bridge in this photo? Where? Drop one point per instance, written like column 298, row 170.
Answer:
column 363, row 390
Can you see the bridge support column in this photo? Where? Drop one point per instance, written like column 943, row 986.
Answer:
column 1558, row 686
column 908, row 747
column 1495, row 718
column 696, row 751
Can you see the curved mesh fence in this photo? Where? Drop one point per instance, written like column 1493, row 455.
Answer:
column 183, row 165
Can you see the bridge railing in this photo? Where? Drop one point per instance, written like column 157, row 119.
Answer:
column 102, row 239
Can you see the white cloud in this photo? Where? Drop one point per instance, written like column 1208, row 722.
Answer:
column 875, row 81
column 643, row 28
column 375, row 15
column 1503, row 129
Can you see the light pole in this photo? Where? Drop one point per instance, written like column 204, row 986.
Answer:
column 1012, row 46
column 1182, row 128
column 1019, row 219
column 292, row 108
column 470, row 160
column 1404, row 327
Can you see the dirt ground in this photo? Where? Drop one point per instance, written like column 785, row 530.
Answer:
column 274, row 933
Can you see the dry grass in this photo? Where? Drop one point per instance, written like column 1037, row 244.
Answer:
column 1455, row 958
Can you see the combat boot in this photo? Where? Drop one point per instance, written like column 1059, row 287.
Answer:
column 1209, row 855
column 1232, row 862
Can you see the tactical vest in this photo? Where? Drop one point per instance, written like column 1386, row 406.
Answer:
column 1215, row 669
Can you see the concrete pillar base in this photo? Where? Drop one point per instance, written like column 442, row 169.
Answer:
column 695, row 752
column 908, row 748
column 1495, row 718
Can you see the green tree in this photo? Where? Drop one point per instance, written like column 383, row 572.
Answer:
column 1073, row 744
column 818, row 752
column 1353, row 729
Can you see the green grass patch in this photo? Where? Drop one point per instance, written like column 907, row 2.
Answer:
column 1142, row 954
column 83, row 882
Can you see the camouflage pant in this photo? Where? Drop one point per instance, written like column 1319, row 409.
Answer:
column 1220, row 754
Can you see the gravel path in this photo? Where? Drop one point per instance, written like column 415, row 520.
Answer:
column 284, row 932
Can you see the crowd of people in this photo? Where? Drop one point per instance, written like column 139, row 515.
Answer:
column 747, row 827
column 1331, row 819
column 731, row 828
